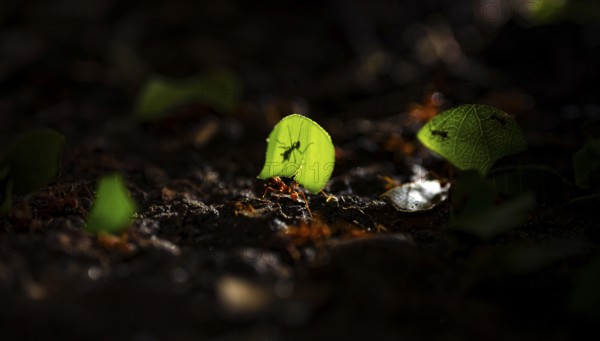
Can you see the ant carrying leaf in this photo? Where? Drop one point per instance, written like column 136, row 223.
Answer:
column 473, row 136
column 300, row 149
column 276, row 185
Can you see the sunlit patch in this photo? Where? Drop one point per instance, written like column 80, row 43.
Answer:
column 417, row 196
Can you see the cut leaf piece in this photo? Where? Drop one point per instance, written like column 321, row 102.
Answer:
column 586, row 162
column 549, row 187
column 417, row 196
column 471, row 194
column 530, row 258
column 586, row 166
column 495, row 221
column 585, row 297
column 474, row 212
column 113, row 209
column 473, row 136
column 299, row 148
column 33, row 159
column 220, row 90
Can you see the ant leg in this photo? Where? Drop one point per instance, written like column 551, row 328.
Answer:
column 294, row 188
column 329, row 197
column 306, row 203
column 300, row 131
column 290, row 136
column 267, row 190
column 282, row 145
column 305, row 148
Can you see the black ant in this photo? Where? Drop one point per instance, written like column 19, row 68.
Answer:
column 441, row 133
column 289, row 150
column 499, row 119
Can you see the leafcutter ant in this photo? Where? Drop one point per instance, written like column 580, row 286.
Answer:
column 499, row 118
column 441, row 133
column 389, row 183
column 288, row 151
column 275, row 184
column 116, row 243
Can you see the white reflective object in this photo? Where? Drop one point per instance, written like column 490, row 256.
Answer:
column 417, row 196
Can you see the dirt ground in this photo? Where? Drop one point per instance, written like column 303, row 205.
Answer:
column 208, row 257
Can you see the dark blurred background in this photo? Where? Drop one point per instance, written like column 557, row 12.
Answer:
column 371, row 72
column 66, row 63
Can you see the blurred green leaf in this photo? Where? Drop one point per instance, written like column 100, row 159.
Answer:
column 5, row 190
column 471, row 194
column 495, row 221
column 530, row 258
column 534, row 256
column 549, row 187
column 473, row 136
column 113, row 209
column 299, row 148
column 474, row 211
column 586, row 161
column 219, row 90
column 33, row 159
column 547, row 11
column 585, row 297
column 544, row 12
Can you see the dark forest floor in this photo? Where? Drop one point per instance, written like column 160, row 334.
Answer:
column 208, row 257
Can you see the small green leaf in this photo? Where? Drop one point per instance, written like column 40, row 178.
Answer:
column 530, row 258
column 549, row 187
column 113, row 208
column 33, row 159
column 471, row 194
column 474, row 211
column 540, row 12
column 586, row 161
column 219, row 90
column 492, row 222
column 299, row 148
column 585, row 297
column 473, row 136
column 5, row 190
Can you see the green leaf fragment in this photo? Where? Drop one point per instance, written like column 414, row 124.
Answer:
column 586, row 164
column 299, row 148
column 113, row 209
column 585, row 297
column 33, row 159
column 497, row 220
column 471, row 194
column 549, row 187
column 219, row 90
column 474, row 210
column 473, row 136
column 530, row 258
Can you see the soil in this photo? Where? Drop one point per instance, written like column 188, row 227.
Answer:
column 208, row 256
